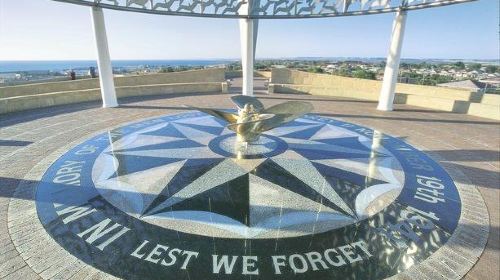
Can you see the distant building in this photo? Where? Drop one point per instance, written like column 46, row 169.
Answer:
column 10, row 76
column 491, row 83
column 475, row 85
column 466, row 84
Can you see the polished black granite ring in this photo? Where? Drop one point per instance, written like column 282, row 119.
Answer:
column 177, row 197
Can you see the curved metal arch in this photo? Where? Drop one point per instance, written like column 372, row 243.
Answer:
column 266, row 9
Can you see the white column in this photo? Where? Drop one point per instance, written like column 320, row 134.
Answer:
column 248, row 36
column 103, row 60
column 248, row 40
column 255, row 33
column 386, row 97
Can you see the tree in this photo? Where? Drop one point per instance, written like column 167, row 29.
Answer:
column 475, row 66
column 404, row 65
column 421, row 65
column 166, row 70
column 492, row 69
column 460, row 65
column 343, row 72
column 363, row 74
column 260, row 66
column 316, row 70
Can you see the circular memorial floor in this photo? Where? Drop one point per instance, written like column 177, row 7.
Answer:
column 151, row 191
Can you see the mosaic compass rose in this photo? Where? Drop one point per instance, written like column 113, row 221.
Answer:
column 302, row 178
column 180, row 197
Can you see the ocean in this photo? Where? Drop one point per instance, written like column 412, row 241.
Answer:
column 19, row 66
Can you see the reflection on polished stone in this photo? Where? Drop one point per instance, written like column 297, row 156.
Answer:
column 287, row 183
column 181, row 197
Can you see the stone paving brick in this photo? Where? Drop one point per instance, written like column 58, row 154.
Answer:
column 86, row 273
column 456, row 267
column 6, row 248
column 7, row 255
column 430, row 272
column 11, row 265
column 24, row 273
column 56, row 268
column 40, row 263
column 456, row 256
column 446, row 271
column 69, row 270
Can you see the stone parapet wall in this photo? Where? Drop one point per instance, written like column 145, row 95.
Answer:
column 19, row 98
column 338, row 91
column 143, row 90
column 439, row 98
column 42, row 100
column 490, row 99
column 41, row 88
column 193, row 76
column 354, row 85
column 263, row 74
column 27, row 102
column 231, row 74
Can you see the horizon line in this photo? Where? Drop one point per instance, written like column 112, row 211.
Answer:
column 237, row 59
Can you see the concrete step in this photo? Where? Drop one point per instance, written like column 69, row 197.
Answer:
column 440, row 92
column 437, row 103
column 491, row 99
column 484, row 111
column 490, row 111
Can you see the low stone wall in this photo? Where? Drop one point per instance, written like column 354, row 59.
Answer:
column 41, row 88
column 144, row 90
column 231, row 74
column 239, row 74
column 363, row 87
column 48, row 80
column 491, row 99
column 27, row 102
column 439, row 98
column 194, row 76
column 263, row 74
column 19, row 98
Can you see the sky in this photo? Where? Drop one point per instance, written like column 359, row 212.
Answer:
column 49, row 30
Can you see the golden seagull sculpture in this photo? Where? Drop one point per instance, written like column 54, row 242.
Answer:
column 253, row 119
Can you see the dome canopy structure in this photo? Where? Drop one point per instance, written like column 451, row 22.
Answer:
column 265, row 8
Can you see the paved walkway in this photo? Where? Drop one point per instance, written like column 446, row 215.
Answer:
column 461, row 142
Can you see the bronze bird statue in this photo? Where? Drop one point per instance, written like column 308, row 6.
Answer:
column 253, row 119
